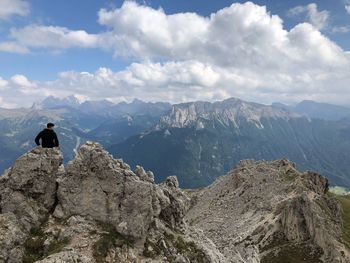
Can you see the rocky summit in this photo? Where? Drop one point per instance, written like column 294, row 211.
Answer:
column 96, row 209
column 269, row 212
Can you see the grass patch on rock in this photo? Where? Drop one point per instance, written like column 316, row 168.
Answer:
column 109, row 239
column 35, row 249
column 171, row 246
column 345, row 202
column 190, row 250
column 293, row 253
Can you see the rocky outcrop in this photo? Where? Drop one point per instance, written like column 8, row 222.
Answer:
column 95, row 210
column 27, row 196
column 28, row 188
column 268, row 211
column 11, row 238
column 99, row 187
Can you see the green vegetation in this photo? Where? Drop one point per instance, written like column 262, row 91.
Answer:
column 190, row 250
column 110, row 239
column 152, row 250
column 281, row 250
column 187, row 249
column 324, row 208
column 34, row 248
column 57, row 246
column 289, row 176
column 345, row 202
column 293, row 253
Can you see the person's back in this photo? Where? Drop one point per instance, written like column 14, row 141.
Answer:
column 48, row 137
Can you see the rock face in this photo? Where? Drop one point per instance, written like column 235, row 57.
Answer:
column 267, row 212
column 99, row 187
column 12, row 235
column 29, row 187
column 27, row 196
column 228, row 112
column 96, row 209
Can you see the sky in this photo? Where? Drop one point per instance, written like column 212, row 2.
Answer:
column 177, row 51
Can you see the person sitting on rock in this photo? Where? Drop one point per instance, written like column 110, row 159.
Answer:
column 48, row 137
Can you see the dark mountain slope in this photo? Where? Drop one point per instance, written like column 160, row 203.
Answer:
column 200, row 141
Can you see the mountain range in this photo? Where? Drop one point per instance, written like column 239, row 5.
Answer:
column 75, row 122
column 317, row 110
column 199, row 141
column 196, row 141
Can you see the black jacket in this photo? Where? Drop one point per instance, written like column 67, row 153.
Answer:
column 48, row 139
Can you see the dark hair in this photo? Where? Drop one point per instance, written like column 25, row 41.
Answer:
column 49, row 125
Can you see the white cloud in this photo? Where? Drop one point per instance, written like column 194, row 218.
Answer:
column 151, row 81
column 36, row 36
column 243, row 35
column 13, row 47
column 341, row 29
column 6, row 105
column 3, row 84
column 22, row 82
column 319, row 19
column 241, row 51
column 347, row 8
column 186, row 81
column 150, row 32
column 9, row 8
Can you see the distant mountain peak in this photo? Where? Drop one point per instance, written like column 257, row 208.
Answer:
column 52, row 102
column 227, row 112
column 317, row 110
column 136, row 100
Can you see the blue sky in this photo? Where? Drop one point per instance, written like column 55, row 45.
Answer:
column 68, row 38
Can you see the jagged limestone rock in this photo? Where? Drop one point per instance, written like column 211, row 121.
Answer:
column 98, row 210
column 262, row 209
column 99, row 187
column 27, row 195
column 12, row 236
column 177, row 203
column 171, row 181
column 143, row 175
column 96, row 204
column 28, row 189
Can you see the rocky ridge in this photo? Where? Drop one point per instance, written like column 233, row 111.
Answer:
column 269, row 212
column 228, row 113
column 96, row 209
